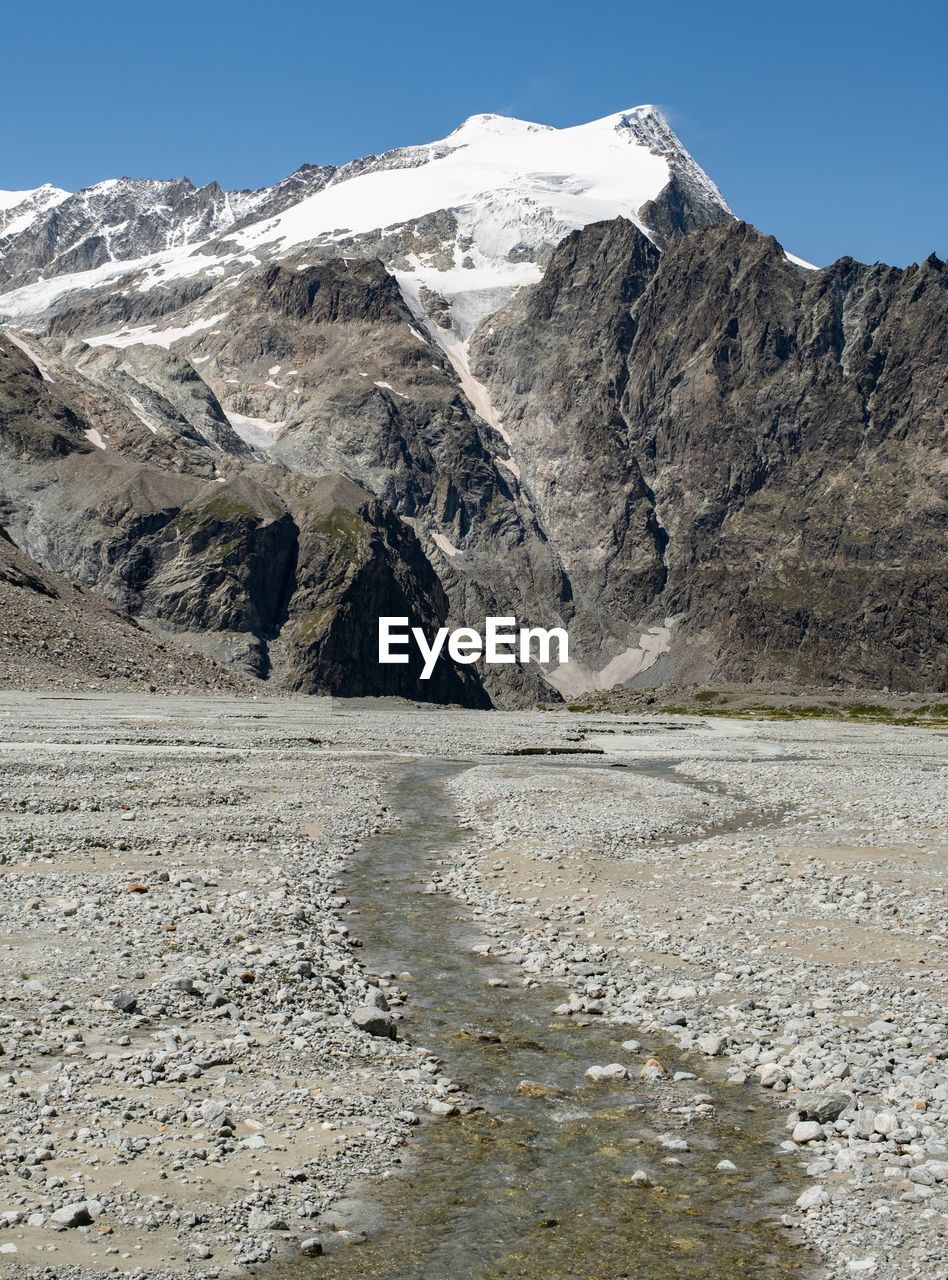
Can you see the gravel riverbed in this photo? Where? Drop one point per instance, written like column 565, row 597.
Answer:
column 196, row 1068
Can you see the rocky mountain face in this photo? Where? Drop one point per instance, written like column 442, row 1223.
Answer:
column 57, row 635
column 522, row 371
column 768, row 442
column 263, row 568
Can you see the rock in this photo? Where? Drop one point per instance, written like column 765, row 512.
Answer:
column 614, row 1071
column 439, row 1108
column 807, row 1131
column 533, row 1089
column 886, row 1123
column 771, row 1074
column 261, row 1220
column 70, row 1215
column 311, row 1246
column 631, row 1046
column 126, row 1002
column 726, row 1166
column 712, row 1045
column 653, row 1070
column 375, row 1021
column 812, row 1198
column 640, row 1179
column 864, row 1124
column 214, row 1111
column 822, row 1107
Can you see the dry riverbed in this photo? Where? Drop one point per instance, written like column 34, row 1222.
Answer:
column 190, row 1083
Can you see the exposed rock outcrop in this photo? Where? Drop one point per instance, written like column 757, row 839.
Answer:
column 787, row 427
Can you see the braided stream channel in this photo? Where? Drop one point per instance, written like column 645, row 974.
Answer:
column 537, row 1186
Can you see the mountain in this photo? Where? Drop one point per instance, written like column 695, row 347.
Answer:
column 522, row 370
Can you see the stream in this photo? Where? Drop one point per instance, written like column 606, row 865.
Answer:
column 537, row 1185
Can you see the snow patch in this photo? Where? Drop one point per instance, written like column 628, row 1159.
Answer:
column 799, row 262
column 152, row 337
column 256, row 432
column 447, row 547
column 94, row 438
column 572, row 678
column 20, row 209
column 142, row 416
column 387, row 386
column 18, row 342
column 512, row 179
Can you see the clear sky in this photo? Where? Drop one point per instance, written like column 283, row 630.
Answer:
column 825, row 124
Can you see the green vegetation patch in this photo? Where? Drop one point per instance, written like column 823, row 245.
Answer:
column 344, row 530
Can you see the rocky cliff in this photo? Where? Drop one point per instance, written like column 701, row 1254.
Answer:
column 778, row 435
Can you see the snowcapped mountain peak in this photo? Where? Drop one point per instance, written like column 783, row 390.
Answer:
column 468, row 218
column 637, row 114
column 19, row 209
column 550, row 180
column 489, row 125
column 10, row 199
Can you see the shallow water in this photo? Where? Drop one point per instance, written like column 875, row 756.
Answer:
column 539, row 1186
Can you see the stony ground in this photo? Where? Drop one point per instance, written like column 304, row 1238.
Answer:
column 195, row 1066
column 775, row 901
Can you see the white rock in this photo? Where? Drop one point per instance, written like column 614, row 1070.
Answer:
column 712, row 1045
column 613, row 1071
column 812, row 1198
column 886, row 1123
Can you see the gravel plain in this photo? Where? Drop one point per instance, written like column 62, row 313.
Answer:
column 196, row 1068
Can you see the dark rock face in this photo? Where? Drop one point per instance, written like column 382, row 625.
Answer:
column 333, row 293
column 37, row 425
column 224, row 562
column 358, row 562
column 556, row 370
column 788, row 429
column 56, row 634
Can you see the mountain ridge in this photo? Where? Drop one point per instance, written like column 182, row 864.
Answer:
column 654, row 428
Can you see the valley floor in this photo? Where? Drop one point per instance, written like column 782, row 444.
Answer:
column 184, row 1089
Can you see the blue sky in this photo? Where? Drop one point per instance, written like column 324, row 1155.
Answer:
column 825, row 124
